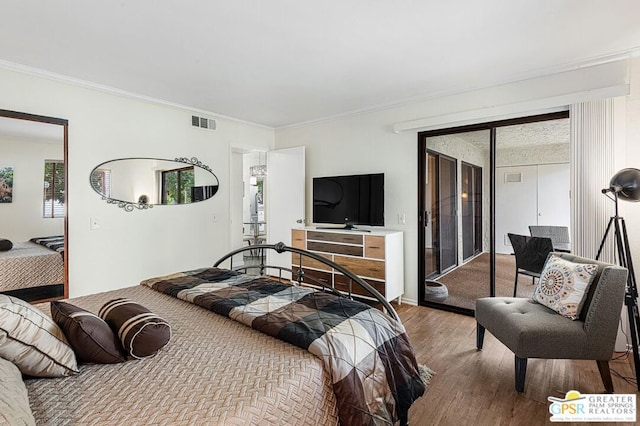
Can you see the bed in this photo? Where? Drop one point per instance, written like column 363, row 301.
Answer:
column 33, row 270
column 217, row 370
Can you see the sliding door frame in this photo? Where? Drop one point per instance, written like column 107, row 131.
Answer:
column 422, row 169
column 474, row 195
column 439, row 240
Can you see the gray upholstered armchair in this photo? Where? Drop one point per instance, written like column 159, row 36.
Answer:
column 531, row 330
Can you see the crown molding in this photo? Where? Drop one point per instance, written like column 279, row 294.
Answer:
column 61, row 78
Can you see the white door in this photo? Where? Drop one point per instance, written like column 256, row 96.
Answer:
column 235, row 204
column 553, row 195
column 530, row 195
column 285, row 194
column 516, row 204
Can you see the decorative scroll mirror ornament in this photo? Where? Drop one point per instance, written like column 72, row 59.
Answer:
column 141, row 183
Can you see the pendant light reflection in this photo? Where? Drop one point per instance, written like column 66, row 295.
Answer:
column 260, row 170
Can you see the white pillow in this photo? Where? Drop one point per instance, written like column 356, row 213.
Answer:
column 32, row 341
column 563, row 285
column 14, row 400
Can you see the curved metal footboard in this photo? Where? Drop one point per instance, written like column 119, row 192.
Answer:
column 299, row 273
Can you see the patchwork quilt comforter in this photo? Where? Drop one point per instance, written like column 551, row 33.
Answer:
column 55, row 243
column 367, row 353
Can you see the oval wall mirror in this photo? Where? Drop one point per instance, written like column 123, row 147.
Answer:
column 142, row 183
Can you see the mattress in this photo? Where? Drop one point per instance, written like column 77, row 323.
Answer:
column 29, row 265
column 213, row 371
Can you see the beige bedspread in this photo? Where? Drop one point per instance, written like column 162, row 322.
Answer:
column 29, row 265
column 214, row 371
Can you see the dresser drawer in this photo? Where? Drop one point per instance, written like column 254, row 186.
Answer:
column 335, row 248
column 315, row 278
column 311, row 263
column 362, row 267
column 340, row 282
column 335, row 237
column 298, row 239
column 374, row 246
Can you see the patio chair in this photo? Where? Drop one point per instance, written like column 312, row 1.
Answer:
column 559, row 235
column 531, row 254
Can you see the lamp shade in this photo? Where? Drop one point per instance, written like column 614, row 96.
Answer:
column 627, row 184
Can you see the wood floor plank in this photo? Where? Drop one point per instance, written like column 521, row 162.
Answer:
column 477, row 388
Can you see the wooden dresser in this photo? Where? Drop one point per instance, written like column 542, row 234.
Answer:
column 376, row 256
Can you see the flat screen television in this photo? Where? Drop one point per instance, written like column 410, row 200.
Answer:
column 349, row 200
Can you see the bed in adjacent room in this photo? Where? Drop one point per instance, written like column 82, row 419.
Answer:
column 33, row 270
column 224, row 366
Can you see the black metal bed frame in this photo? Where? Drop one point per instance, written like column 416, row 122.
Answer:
column 299, row 276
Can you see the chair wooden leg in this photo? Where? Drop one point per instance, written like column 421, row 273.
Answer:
column 479, row 336
column 605, row 374
column 515, row 285
column 521, row 372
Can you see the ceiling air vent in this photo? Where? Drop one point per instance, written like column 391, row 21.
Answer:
column 512, row 177
column 203, row 122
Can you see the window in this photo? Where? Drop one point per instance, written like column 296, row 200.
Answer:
column 53, row 194
column 101, row 181
column 176, row 186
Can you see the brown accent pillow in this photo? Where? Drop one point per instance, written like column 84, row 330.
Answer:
column 32, row 341
column 5, row 245
column 90, row 336
column 141, row 332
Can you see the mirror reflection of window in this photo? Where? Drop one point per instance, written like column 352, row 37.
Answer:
column 177, row 185
column 53, row 194
column 101, row 180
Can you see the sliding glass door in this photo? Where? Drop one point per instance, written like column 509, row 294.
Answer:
column 441, row 242
column 455, row 225
column 457, row 205
column 471, row 198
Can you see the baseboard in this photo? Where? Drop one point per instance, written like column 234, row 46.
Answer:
column 408, row 301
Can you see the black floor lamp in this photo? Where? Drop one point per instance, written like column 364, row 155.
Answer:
column 625, row 185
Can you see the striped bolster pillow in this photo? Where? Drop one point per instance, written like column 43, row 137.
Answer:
column 141, row 332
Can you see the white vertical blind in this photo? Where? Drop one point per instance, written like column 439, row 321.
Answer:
column 592, row 160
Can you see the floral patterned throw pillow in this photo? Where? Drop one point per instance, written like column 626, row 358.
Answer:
column 563, row 285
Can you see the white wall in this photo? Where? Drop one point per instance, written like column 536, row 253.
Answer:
column 102, row 126
column 22, row 218
column 632, row 210
column 542, row 154
column 367, row 143
column 631, row 154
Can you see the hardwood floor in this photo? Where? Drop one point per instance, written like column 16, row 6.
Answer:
column 474, row 387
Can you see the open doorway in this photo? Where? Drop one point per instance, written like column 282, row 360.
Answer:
column 248, row 176
column 254, row 223
column 267, row 208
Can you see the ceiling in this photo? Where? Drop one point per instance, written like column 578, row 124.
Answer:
column 15, row 130
column 283, row 62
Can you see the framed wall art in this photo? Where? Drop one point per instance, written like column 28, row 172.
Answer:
column 6, row 184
